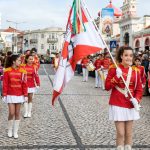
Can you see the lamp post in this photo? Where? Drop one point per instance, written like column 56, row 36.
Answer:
column 15, row 32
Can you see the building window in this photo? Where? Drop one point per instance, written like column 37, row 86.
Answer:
column 42, row 46
column 42, row 35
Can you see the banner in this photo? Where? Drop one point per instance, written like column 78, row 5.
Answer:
column 107, row 21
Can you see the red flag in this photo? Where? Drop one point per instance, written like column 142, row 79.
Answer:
column 82, row 39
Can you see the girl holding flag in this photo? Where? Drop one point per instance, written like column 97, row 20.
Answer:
column 124, row 109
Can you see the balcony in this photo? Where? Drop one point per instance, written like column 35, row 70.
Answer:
column 52, row 40
column 33, row 41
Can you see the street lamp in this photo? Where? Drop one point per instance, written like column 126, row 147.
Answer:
column 15, row 31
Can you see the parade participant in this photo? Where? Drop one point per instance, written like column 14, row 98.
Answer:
column 123, row 109
column 36, row 60
column 137, row 62
column 14, row 92
column 1, row 75
column 97, row 64
column 106, row 62
column 33, row 82
column 149, row 80
column 56, row 61
column 84, row 63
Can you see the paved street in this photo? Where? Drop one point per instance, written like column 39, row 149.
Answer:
column 79, row 119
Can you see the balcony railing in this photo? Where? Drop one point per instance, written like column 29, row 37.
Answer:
column 32, row 41
column 52, row 40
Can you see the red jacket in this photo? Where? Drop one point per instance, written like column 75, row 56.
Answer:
column 32, row 76
column 149, row 79
column 14, row 82
column 36, row 62
column 98, row 64
column 84, row 62
column 142, row 74
column 135, row 86
column 106, row 62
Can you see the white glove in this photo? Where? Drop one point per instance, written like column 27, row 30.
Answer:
column 4, row 99
column 102, row 67
column 149, row 90
column 143, row 86
column 135, row 104
column 118, row 72
column 26, row 99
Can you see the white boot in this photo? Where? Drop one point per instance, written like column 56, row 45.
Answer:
column 128, row 147
column 25, row 110
column 29, row 109
column 16, row 127
column 10, row 127
column 120, row 147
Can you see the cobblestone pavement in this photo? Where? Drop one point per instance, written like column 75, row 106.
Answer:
column 79, row 119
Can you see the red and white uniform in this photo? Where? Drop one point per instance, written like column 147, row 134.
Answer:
column 14, row 85
column 121, row 108
column 36, row 62
column 32, row 78
column 142, row 74
column 84, row 63
column 106, row 62
column 98, row 80
column 149, row 81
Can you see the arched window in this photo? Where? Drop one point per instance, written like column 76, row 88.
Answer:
column 126, row 38
column 137, row 44
column 147, row 43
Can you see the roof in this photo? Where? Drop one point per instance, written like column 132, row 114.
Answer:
column 147, row 27
column 117, row 12
column 10, row 29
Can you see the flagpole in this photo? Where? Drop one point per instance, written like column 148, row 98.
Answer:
column 107, row 49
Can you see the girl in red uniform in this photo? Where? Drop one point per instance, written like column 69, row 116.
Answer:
column 137, row 62
column 14, row 92
column 33, row 82
column 124, row 109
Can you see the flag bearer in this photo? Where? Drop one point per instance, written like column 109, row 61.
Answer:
column 14, row 92
column 123, row 109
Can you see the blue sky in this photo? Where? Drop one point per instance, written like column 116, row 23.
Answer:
column 47, row 13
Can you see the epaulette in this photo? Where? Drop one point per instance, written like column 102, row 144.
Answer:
column 135, row 68
column 112, row 66
column 7, row 69
column 23, row 70
column 23, row 65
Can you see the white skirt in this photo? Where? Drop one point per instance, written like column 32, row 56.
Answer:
column 32, row 90
column 117, row 113
column 14, row 99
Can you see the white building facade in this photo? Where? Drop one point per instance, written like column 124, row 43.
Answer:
column 44, row 40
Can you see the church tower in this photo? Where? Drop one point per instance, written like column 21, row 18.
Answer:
column 128, row 23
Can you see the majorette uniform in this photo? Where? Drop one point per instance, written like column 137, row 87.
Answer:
column 98, row 73
column 121, row 108
column 56, row 63
column 106, row 62
column 142, row 74
column 14, row 85
column 84, row 63
column 149, row 81
column 32, row 78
